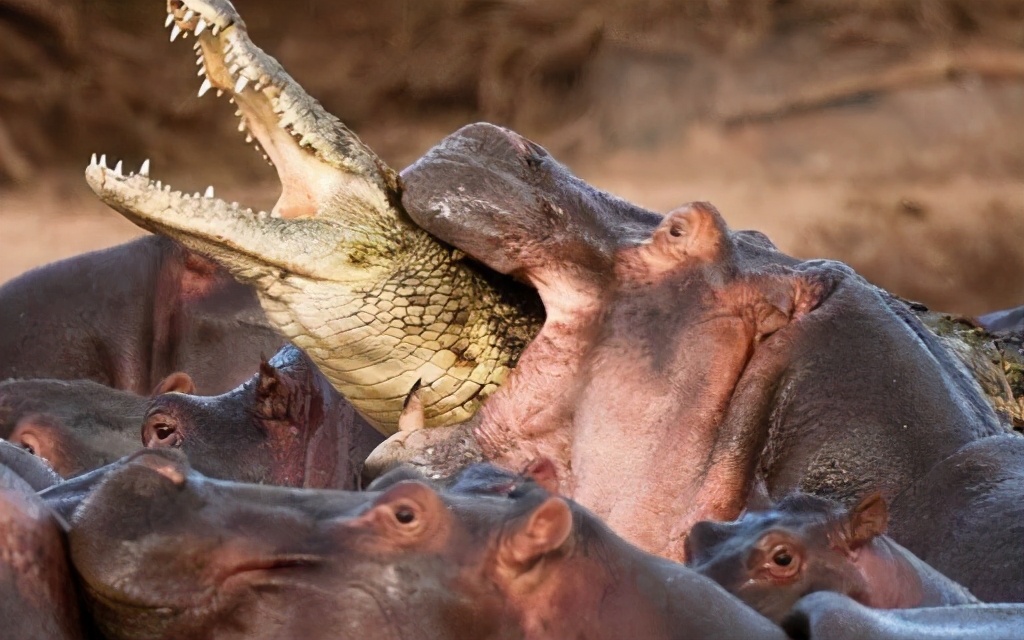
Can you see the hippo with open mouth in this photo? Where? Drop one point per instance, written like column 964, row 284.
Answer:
column 676, row 367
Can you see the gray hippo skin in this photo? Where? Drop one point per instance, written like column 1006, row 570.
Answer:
column 490, row 558
column 76, row 425
column 33, row 470
column 831, row 616
column 129, row 316
column 770, row 559
column 285, row 426
column 972, row 502
column 37, row 597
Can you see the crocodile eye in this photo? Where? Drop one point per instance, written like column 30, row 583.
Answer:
column 782, row 558
column 29, row 448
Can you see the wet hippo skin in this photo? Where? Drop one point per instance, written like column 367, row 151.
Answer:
column 131, row 315
column 490, row 558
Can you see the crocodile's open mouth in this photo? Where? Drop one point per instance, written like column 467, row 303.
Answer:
column 321, row 165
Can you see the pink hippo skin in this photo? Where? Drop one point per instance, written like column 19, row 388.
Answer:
column 131, row 315
column 37, row 595
column 491, row 558
column 771, row 559
column 681, row 363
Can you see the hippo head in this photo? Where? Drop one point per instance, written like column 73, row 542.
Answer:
column 805, row 544
column 37, row 599
column 76, row 425
column 285, row 426
column 164, row 552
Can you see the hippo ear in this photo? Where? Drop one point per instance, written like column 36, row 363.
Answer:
column 412, row 418
column 546, row 529
column 177, row 382
column 867, row 520
column 274, row 393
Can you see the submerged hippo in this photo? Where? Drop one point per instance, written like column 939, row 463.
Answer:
column 131, row 315
column 410, row 561
column 771, row 559
column 37, row 595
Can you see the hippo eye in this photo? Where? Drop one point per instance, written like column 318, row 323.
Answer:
column 29, row 448
column 676, row 232
column 405, row 515
column 782, row 558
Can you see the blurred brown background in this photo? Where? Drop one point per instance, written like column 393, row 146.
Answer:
column 886, row 133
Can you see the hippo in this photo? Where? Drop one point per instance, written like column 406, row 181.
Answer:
column 286, row 426
column 400, row 282
column 37, row 596
column 832, row 616
column 971, row 502
column 409, row 561
column 129, row 316
column 76, row 425
column 770, row 559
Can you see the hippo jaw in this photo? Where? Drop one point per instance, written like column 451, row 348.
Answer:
column 339, row 268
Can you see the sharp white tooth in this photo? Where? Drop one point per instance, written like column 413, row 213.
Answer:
column 168, row 20
column 189, row 15
column 220, row 92
column 238, row 113
column 184, row 36
column 159, row 185
column 209, row 192
column 92, row 160
column 117, row 168
column 206, row 86
column 248, row 137
column 195, row 195
column 175, row 32
column 231, row 99
column 234, row 69
column 144, row 169
column 200, row 26
column 167, row 188
column 199, row 60
column 214, row 29
column 103, row 161
column 201, row 72
column 240, row 85
column 196, row 45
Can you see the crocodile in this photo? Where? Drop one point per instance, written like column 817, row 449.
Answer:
column 343, row 268
column 380, row 306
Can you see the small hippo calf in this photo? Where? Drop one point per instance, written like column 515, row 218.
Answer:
column 773, row 558
column 493, row 559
